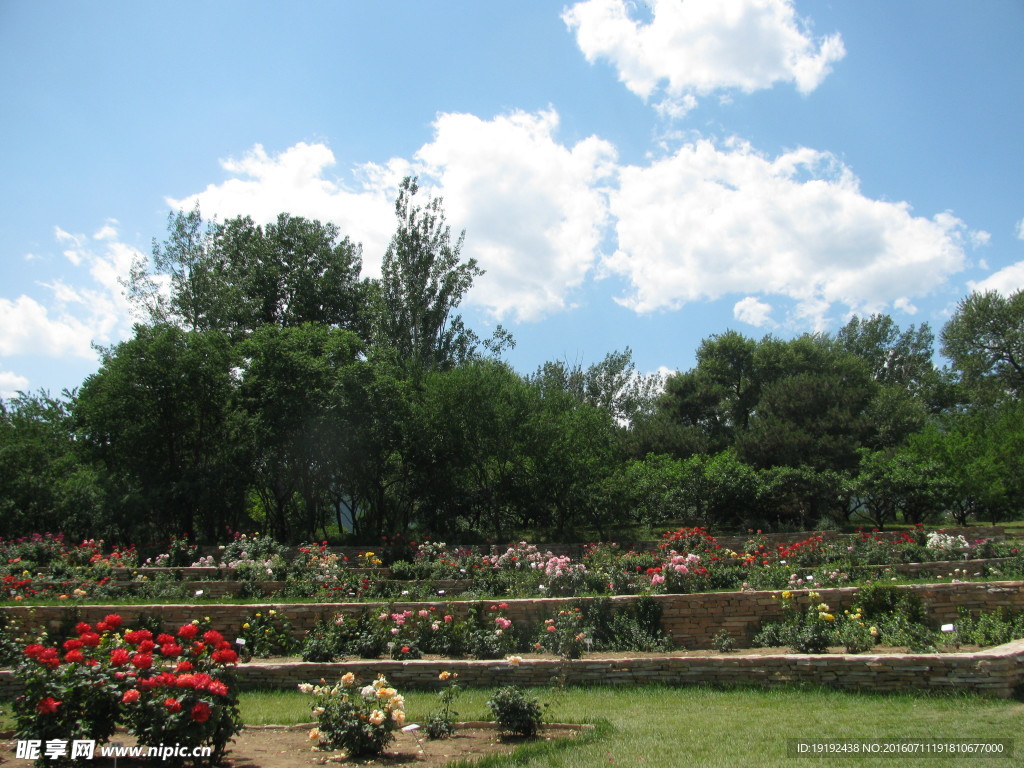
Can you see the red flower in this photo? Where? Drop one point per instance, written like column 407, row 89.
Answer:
column 405, row 649
column 130, row 696
column 102, row 626
column 171, row 649
column 73, row 644
column 188, row 631
column 32, row 650
column 164, row 639
column 74, row 656
column 146, row 646
column 173, row 705
column 184, row 666
column 47, row 706
column 226, row 656
column 112, row 620
column 217, row 688
column 185, row 681
column 201, row 712
column 136, row 636
column 90, row 638
column 213, row 637
column 119, row 657
column 81, row 628
column 142, row 661
column 49, row 658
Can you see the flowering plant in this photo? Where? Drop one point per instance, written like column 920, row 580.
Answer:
column 267, row 634
column 441, row 725
column 515, row 713
column 359, row 720
column 564, row 635
column 68, row 692
column 167, row 689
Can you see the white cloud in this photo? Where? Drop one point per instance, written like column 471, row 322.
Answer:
column 1020, row 229
column 294, row 182
column 73, row 316
column 534, row 209
column 11, row 383
column 1006, row 281
column 753, row 312
column 697, row 47
column 709, row 221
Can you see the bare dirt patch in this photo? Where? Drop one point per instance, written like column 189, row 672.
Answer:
column 290, row 747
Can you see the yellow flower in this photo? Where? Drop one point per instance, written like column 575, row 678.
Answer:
column 444, row 675
column 259, row 615
column 398, row 716
column 246, row 625
column 314, row 734
column 787, row 594
column 348, row 679
column 874, row 631
column 376, row 717
column 271, row 613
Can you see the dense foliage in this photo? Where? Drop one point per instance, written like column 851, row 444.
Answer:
column 272, row 387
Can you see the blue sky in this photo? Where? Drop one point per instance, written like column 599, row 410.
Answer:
column 628, row 173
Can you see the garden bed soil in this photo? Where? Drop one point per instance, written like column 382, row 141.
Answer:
column 289, row 746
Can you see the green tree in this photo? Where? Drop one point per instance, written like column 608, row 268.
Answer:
column 423, row 281
column 157, row 417
column 237, row 276
column 981, row 453
column 469, row 450
column 984, row 339
column 295, row 410
column 893, row 484
column 45, row 482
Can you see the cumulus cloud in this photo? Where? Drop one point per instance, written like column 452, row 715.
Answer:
column 712, row 220
column 1006, row 281
column 72, row 317
column 534, row 209
column 295, row 181
column 753, row 312
column 695, row 48
column 11, row 383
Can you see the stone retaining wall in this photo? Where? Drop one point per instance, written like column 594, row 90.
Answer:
column 690, row 620
column 997, row 672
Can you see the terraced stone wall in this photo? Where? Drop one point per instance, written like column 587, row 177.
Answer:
column 690, row 620
column 997, row 672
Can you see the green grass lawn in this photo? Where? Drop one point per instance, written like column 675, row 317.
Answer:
column 655, row 726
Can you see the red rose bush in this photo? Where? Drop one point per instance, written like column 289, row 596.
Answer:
column 168, row 689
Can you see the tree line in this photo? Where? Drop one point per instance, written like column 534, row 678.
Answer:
column 271, row 386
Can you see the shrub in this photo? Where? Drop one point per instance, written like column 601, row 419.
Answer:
column 360, row 721
column 515, row 713
column 564, row 635
column 267, row 634
column 723, row 642
column 441, row 725
column 168, row 690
